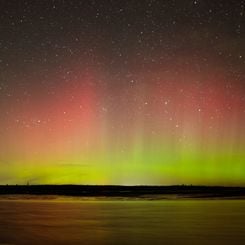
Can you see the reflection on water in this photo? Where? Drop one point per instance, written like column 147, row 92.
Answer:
column 122, row 222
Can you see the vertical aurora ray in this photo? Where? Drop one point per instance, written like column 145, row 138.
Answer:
column 163, row 130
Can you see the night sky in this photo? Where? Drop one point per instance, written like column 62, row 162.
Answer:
column 122, row 92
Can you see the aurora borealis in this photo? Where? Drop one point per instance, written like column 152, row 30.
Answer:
column 122, row 92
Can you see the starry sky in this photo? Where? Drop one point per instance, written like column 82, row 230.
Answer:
column 127, row 92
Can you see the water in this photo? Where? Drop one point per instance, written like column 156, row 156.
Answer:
column 166, row 222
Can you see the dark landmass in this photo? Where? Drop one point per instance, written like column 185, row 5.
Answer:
column 182, row 191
